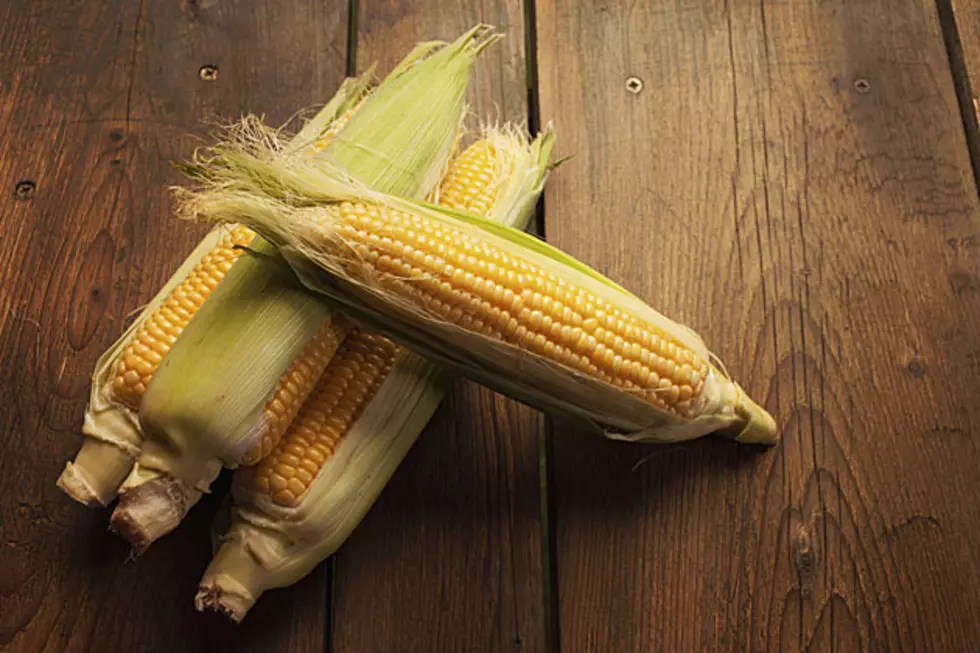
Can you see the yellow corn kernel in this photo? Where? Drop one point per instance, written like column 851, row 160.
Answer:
column 481, row 287
column 364, row 360
column 470, row 183
column 321, row 143
column 145, row 351
column 348, row 384
column 294, row 387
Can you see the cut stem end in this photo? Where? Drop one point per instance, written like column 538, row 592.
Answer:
column 93, row 479
column 149, row 511
column 232, row 583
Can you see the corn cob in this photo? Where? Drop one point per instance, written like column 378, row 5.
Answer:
column 366, row 358
column 144, row 353
column 503, row 308
column 301, row 502
column 113, row 436
column 202, row 410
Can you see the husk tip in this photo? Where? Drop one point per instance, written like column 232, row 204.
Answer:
column 760, row 426
column 475, row 40
column 542, row 146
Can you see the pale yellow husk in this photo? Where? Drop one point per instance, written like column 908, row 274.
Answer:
column 113, row 437
column 269, row 545
column 323, row 262
column 203, row 408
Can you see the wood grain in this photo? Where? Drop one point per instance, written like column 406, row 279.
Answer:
column 449, row 559
column 96, row 100
column 792, row 181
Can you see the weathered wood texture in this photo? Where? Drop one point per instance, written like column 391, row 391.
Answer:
column 449, row 559
column 792, row 181
column 96, row 98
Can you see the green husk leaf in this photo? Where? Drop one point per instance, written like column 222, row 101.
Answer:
column 352, row 91
column 207, row 404
column 270, row 545
column 303, row 232
column 373, row 149
column 113, row 435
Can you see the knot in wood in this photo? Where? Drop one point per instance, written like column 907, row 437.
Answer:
column 208, row 72
column 634, row 85
column 804, row 557
column 861, row 85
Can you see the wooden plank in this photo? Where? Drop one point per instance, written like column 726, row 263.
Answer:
column 449, row 559
column 96, row 99
column 792, row 181
column 966, row 15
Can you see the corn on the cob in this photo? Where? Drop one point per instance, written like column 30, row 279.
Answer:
column 112, row 432
column 144, row 353
column 302, row 501
column 203, row 409
column 366, row 358
column 354, row 375
column 113, row 436
column 504, row 309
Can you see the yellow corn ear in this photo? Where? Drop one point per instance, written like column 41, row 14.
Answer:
column 204, row 407
column 303, row 500
column 503, row 308
column 113, row 435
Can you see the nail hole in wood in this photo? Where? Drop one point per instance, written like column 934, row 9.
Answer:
column 862, row 85
column 25, row 189
column 634, row 85
column 208, row 72
column 916, row 367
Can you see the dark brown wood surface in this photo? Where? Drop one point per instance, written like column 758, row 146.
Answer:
column 792, row 180
column 96, row 99
column 449, row 559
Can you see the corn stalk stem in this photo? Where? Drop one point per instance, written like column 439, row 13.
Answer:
column 95, row 475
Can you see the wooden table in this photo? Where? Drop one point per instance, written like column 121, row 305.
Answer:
column 793, row 179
